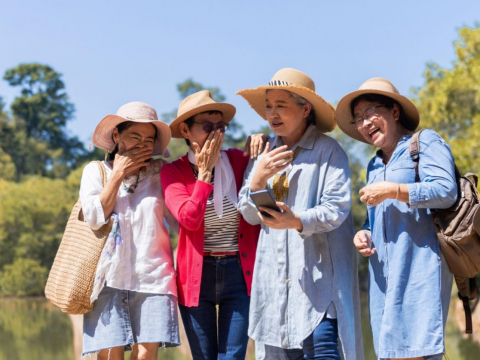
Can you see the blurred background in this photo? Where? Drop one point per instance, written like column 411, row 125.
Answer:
column 65, row 65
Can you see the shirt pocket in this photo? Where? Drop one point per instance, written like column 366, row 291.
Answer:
column 402, row 172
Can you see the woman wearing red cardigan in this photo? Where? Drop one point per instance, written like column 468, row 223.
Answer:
column 216, row 246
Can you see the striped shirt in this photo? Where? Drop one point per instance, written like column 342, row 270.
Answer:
column 221, row 234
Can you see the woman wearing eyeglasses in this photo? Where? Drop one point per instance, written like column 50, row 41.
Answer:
column 409, row 282
column 216, row 247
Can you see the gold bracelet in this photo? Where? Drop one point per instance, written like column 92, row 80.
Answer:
column 398, row 191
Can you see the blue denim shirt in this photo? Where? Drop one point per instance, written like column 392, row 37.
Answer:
column 298, row 275
column 410, row 284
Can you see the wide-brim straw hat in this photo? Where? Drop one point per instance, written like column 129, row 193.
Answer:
column 137, row 112
column 296, row 82
column 380, row 86
column 197, row 103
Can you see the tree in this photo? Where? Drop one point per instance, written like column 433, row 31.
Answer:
column 234, row 137
column 36, row 138
column 449, row 100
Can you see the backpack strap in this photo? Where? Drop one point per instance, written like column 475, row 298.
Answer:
column 415, row 152
column 466, row 294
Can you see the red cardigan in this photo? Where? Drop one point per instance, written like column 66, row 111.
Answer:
column 187, row 200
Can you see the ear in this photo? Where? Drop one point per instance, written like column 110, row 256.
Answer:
column 396, row 112
column 184, row 130
column 116, row 136
column 306, row 110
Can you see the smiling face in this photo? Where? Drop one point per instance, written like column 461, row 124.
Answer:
column 285, row 117
column 136, row 135
column 382, row 128
column 195, row 132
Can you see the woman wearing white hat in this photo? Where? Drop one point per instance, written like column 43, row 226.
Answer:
column 135, row 292
column 409, row 283
column 216, row 246
column 305, row 288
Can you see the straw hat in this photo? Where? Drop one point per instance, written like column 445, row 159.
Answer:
column 137, row 112
column 197, row 103
column 374, row 86
column 298, row 83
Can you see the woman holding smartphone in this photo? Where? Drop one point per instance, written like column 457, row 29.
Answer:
column 305, row 287
column 216, row 246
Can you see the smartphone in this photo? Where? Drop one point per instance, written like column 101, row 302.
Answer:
column 264, row 198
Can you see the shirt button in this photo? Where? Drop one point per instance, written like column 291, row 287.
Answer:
column 241, row 236
column 244, row 255
column 248, row 272
column 287, row 280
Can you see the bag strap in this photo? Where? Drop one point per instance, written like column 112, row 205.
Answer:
column 415, row 155
column 415, row 152
column 103, row 173
column 466, row 294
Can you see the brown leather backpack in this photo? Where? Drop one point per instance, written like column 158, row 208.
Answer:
column 458, row 229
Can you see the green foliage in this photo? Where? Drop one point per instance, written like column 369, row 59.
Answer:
column 449, row 100
column 22, row 278
column 36, row 137
column 33, row 217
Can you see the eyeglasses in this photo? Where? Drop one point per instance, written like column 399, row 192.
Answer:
column 208, row 126
column 367, row 115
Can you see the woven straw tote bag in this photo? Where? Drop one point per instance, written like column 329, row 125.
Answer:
column 71, row 278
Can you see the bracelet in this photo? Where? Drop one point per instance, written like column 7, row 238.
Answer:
column 398, row 191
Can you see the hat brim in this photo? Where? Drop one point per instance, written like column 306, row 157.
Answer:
column 227, row 110
column 324, row 112
column 103, row 134
column 344, row 115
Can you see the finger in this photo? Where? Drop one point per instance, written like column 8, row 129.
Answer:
column 247, row 151
column 267, row 148
column 366, row 252
column 364, row 198
column 281, row 161
column 138, row 152
column 283, row 206
column 269, row 211
column 219, row 141
column 362, row 191
column 283, row 155
column 278, row 150
column 258, row 146
column 196, row 148
column 279, row 168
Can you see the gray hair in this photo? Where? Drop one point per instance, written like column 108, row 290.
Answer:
column 301, row 101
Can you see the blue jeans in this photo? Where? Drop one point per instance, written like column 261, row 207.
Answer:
column 223, row 284
column 321, row 344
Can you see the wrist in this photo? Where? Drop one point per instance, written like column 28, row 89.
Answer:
column 258, row 184
column 204, row 175
column 298, row 223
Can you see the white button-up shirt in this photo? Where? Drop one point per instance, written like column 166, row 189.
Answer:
column 146, row 258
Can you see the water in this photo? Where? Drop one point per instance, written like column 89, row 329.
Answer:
column 34, row 329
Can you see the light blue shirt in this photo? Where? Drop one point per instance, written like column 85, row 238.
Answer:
column 410, row 284
column 297, row 276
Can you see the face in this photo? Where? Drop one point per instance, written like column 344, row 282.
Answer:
column 137, row 135
column 283, row 114
column 380, row 128
column 196, row 133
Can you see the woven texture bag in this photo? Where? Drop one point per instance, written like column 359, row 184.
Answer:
column 71, row 278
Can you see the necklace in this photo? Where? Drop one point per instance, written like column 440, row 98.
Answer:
column 131, row 188
column 280, row 182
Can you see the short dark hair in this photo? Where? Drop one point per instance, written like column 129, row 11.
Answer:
column 191, row 119
column 386, row 101
column 110, row 155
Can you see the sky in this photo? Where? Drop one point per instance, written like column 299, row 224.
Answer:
column 113, row 52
